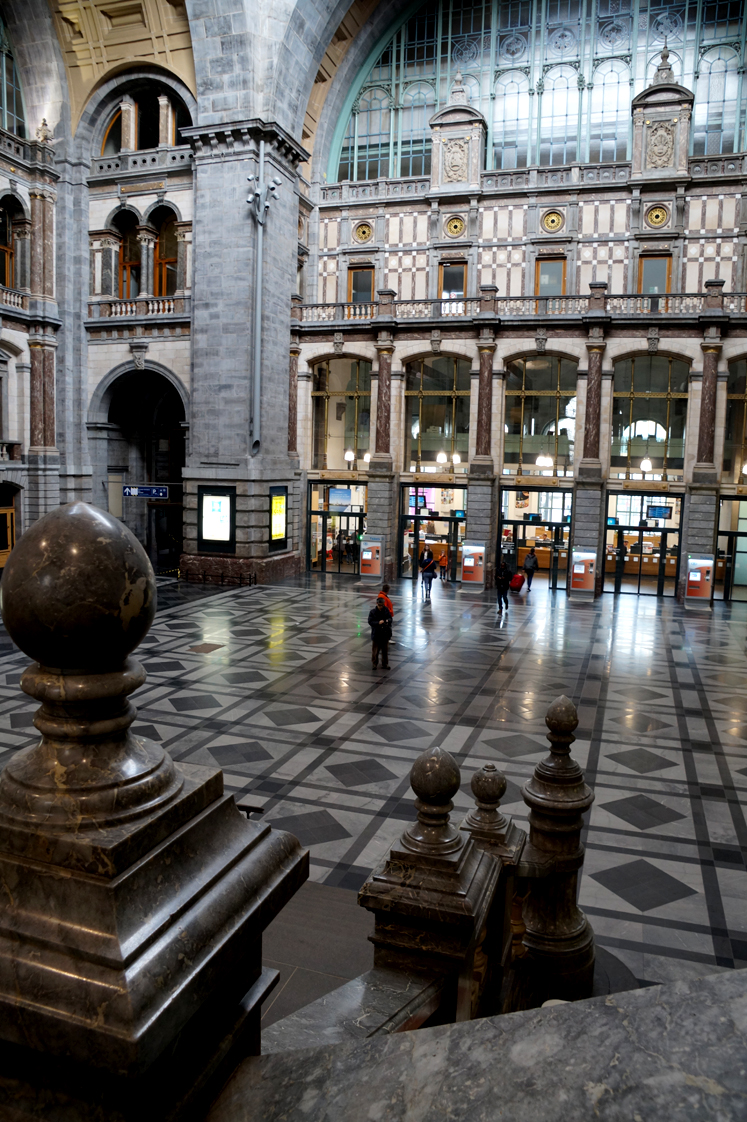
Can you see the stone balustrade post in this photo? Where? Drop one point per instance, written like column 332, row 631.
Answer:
column 488, row 293
column 135, row 892
column 559, row 941
column 714, row 299
column 387, row 297
column 598, row 297
column 432, row 896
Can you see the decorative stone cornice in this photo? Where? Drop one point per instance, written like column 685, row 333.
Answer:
column 237, row 138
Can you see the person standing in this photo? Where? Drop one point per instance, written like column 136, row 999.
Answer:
column 380, row 622
column 531, row 565
column 389, row 606
column 443, row 564
column 428, row 569
column 502, row 583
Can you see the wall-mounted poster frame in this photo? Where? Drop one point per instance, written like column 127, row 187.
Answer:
column 216, row 519
column 278, row 539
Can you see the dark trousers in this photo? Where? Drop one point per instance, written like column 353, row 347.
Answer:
column 380, row 646
column 503, row 596
column 427, row 582
column 529, row 573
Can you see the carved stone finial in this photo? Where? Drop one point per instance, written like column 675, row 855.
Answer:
column 664, row 71
column 488, row 786
column 458, row 94
column 435, row 779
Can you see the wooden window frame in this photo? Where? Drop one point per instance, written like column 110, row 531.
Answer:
column 125, row 268
column 159, row 271
column 654, row 257
column 361, row 269
column 537, row 269
column 451, row 265
column 117, row 117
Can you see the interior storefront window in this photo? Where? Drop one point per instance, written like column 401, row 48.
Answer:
column 540, row 415
column 341, row 398
column 735, row 441
column 437, row 390
column 648, row 417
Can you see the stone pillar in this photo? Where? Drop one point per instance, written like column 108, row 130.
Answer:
column 147, row 239
column 595, row 348
column 50, row 434
column 432, row 896
column 183, row 234
column 36, row 395
column 48, row 243
column 37, row 242
column 295, row 351
column 128, row 109
column 165, row 130
column 139, row 892
column 707, row 429
column 22, row 237
column 559, row 940
column 485, row 401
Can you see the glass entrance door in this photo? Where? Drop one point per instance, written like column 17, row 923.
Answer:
column 731, row 567
column 539, row 520
column 432, row 518
column 642, row 544
column 334, row 542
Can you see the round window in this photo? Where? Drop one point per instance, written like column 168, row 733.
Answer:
column 657, row 215
column 363, row 232
column 455, row 226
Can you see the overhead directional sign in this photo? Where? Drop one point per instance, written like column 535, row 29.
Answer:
column 145, row 492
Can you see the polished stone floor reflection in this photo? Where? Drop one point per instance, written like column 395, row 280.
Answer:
column 275, row 685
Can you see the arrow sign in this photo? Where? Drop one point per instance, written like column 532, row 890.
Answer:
column 145, row 492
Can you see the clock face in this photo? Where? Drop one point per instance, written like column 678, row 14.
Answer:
column 657, row 215
column 553, row 220
column 363, row 232
column 454, row 226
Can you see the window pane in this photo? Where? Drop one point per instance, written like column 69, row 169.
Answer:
column 737, row 377
column 550, row 276
column 463, row 376
column 541, row 373
column 361, row 287
column 113, row 141
column 654, row 272
column 452, row 281
column 438, row 373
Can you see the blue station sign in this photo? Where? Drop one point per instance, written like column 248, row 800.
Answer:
column 145, row 492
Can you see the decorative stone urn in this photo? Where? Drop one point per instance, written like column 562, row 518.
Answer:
column 134, row 893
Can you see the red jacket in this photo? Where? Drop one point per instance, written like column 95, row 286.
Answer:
column 388, row 602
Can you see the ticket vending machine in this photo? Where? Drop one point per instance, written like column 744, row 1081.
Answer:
column 699, row 584
column 372, row 548
column 473, row 565
column 583, row 574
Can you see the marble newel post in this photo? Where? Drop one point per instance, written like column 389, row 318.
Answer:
column 134, row 893
column 559, row 941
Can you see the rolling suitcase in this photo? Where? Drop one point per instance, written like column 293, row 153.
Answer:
column 517, row 582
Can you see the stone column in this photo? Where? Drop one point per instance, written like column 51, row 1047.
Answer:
column 595, row 348
column 128, row 110
column 36, row 395
column 37, row 242
column 50, row 434
column 22, row 271
column 559, row 940
column 47, row 205
column 485, row 400
column 183, row 231
column 704, row 469
column 147, row 239
column 384, row 400
column 164, row 122
column 295, row 351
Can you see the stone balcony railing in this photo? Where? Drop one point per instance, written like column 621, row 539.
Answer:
column 510, row 307
column 12, row 298
column 152, row 159
column 10, row 450
column 142, row 306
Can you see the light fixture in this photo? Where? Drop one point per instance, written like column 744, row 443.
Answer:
column 744, row 468
column 350, row 455
column 456, row 458
column 543, row 461
column 646, row 465
column 367, row 458
column 442, row 458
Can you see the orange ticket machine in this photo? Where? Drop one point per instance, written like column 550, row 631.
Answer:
column 473, row 564
column 372, row 549
column 699, row 584
column 583, row 574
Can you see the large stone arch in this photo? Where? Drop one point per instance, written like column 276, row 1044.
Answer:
column 98, row 408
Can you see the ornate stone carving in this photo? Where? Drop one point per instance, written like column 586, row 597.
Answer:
column 653, row 340
column 456, row 165
column 338, row 343
column 44, row 133
column 540, row 341
column 660, row 147
column 436, row 341
column 139, row 347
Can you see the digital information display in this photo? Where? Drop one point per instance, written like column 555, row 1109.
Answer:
column 278, row 518
column 216, row 518
column 340, row 496
column 664, row 513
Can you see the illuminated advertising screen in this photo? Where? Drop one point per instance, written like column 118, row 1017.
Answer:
column 216, row 519
column 278, row 518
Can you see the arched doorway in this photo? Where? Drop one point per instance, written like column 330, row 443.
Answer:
column 146, row 444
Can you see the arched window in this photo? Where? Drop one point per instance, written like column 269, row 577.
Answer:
column 559, row 117
column 126, row 225
column 418, row 106
column 11, row 98
column 6, row 249
column 163, row 220
column 511, row 121
column 716, row 102
column 648, row 416
column 437, row 413
column 372, row 135
column 341, row 397
column 540, row 414
column 610, row 112
column 735, row 441
column 142, row 121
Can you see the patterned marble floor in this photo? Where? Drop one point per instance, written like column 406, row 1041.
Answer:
column 275, row 685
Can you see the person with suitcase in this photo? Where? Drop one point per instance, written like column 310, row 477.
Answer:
column 531, row 565
column 503, row 582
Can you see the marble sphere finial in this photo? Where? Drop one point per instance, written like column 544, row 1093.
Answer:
column 435, row 777
column 488, row 785
column 78, row 591
column 562, row 716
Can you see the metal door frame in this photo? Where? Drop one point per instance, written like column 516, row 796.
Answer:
column 617, row 588
column 557, row 528
column 732, row 536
